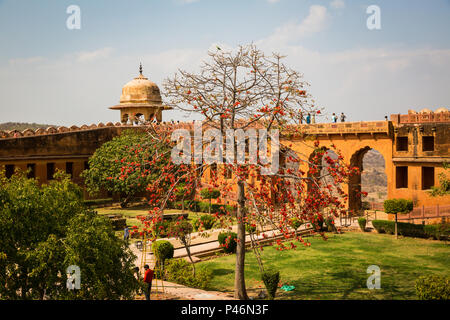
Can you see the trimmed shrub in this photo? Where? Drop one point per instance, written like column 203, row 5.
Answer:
column 180, row 271
column 398, row 206
column 163, row 250
column 433, row 288
column 437, row 231
column 227, row 240
column 98, row 202
column 362, row 224
column 203, row 207
column 206, row 220
column 271, row 278
column 365, row 205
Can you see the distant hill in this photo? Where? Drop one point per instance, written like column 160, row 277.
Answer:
column 20, row 126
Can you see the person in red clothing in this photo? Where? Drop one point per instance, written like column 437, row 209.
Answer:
column 148, row 276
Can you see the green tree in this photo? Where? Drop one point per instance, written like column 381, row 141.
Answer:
column 209, row 194
column 47, row 228
column 396, row 206
column 444, row 183
column 126, row 165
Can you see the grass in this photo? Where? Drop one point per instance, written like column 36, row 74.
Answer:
column 336, row 268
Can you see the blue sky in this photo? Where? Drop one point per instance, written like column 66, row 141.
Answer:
column 50, row 74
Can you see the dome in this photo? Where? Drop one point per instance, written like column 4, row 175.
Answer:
column 140, row 91
column 425, row 110
column 441, row 110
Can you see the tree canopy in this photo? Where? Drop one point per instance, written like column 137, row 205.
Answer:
column 125, row 165
column 45, row 229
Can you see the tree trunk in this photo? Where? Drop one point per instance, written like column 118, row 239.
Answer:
column 240, row 291
column 396, row 233
column 188, row 250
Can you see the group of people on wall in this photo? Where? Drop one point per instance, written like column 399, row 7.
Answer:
column 312, row 118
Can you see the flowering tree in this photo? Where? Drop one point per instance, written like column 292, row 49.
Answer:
column 247, row 90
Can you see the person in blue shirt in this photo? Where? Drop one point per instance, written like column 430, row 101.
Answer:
column 334, row 117
column 308, row 118
column 126, row 234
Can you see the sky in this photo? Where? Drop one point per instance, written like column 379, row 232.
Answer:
column 55, row 75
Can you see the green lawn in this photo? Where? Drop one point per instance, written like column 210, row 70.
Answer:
column 336, row 268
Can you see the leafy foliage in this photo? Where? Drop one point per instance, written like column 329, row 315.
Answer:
column 179, row 271
column 205, row 222
column 362, row 223
column 227, row 241
column 433, row 287
column 437, row 231
column 47, row 228
column 271, row 278
column 444, row 183
column 162, row 250
column 398, row 206
column 126, row 165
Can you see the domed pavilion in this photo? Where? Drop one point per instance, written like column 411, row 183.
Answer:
column 140, row 101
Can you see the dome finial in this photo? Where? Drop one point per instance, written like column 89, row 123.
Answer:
column 140, row 68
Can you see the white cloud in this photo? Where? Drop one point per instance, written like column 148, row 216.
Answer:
column 88, row 56
column 290, row 32
column 337, row 4
column 23, row 61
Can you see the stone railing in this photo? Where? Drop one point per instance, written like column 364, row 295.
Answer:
column 421, row 117
column 318, row 128
column 343, row 128
column 166, row 126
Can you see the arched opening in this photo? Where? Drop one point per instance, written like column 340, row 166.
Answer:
column 371, row 179
column 138, row 118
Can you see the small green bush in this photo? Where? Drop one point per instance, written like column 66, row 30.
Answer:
column 180, row 271
column 362, row 223
column 163, row 250
column 227, row 240
column 206, row 220
column 271, row 278
column 433, row 288
column 398, row 206
column 296, row 223
column 98, row 202
column 210, row 194
column 437, row 231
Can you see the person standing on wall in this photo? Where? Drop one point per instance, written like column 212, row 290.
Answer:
column 343, row 116
column 308, row 118
column 334, row 117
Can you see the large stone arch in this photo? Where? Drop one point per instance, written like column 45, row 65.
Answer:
column 352, row 148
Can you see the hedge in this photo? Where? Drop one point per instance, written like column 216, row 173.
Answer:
column 162, row 250
column 433, row 288
column 227, row 240
column 436, row 231
column 271, row 278
column 362, row 223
